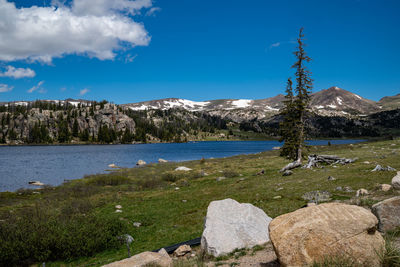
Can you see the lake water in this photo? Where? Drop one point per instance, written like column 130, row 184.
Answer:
column 53, row 164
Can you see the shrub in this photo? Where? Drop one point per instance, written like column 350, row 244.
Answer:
column 108, row 179
column 169, row 177
column 37, row 234
column 229, row 174
column 149, row 183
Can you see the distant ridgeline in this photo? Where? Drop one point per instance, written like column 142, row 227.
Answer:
column 81, row 121
column 40, row 122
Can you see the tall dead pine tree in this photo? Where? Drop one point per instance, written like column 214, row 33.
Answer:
column 295, row 148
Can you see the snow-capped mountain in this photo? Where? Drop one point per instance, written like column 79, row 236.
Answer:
column 332, row 101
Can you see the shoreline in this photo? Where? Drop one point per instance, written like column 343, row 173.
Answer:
column 111, row 170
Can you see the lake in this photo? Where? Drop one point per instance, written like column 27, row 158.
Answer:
column 53, row 164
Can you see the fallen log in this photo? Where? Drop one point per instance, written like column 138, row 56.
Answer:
column 292, row 165
column 313, row 160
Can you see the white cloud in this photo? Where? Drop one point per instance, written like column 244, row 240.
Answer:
column 275, row 45
column 5, row 88
column 18, row 73
column 152, row 11
column 105, row 7
column 37, row 87
column 84, row 91
column 95, row 28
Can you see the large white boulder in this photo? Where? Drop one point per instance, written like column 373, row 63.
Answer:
column 331, row 230
column 230, row 225
column 396, row 181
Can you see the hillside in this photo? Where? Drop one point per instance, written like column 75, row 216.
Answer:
column 170, row 205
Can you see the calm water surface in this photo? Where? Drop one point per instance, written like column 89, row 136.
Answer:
column 53, row 164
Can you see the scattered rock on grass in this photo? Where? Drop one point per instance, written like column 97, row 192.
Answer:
column 396, row 181
column 287, row 173
column 317, row 196
column 277, row 197
column 112, row 165
column 315, row 233
column 361, row 192
column 144, row 259
column 137, row 224
column 230, row 225
column 183, row 168
column 380, row 168
column 385, row 187
column 37, row 183
column 162, row 160
column 388, row 213
column 262, row 172
column 339, row 188
column 331, row 178
column 182, row 251
column 348, row 189
column 118, row 207
column 118, row 211
column 220, row 178
column 141, row 162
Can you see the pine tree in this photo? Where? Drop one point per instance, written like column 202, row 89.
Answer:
column 287, row 126
column 75, row 128
column 292, row 128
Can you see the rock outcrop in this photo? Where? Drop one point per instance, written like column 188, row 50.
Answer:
column 144, row 259
column 388, row 213
column 328, row 230
column 230, row 225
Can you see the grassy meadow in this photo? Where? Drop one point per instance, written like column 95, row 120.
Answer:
column 76, row 224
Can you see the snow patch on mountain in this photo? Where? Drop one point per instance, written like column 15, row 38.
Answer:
column 241, row 103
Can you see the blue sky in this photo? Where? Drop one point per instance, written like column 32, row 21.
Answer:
column 132, row 51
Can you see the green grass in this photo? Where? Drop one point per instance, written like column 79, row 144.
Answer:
column 148, row 194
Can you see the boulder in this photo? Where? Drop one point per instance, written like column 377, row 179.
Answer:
column 183, row 168
column 327, row 230
column 230, row 225
column 182, row 251
column 396, row 181
column 388, row 213
column 361, row 192
column 144, row 259
column 37, row 183
column 162, row 160
column 385, row 187
column 141, row 162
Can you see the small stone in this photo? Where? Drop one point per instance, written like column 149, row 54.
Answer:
column 137, row 224
column 276, row 148
column 220, row 178
column 242, row 179
column 262, row 172
column 182, row 251
column 177, row 188
column 37, row 183
column 184, row 200
column 277, row 197
column 317, row 196
column 310, row 204
column 287, row 173
column 183, row 168
column 279, row 189
column 118, row 211
column 361, row 192
column 192, row 255
column 339, row 188
column 118, row 207
column 348, row 189
column 366, row 162
column 385, row 187
column 331, row 178
column 162, row 160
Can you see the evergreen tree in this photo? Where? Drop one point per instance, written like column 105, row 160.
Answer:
column 292, row 128
column 287, row 126
column 75, row 129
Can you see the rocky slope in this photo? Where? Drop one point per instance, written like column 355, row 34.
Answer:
column 329, row 102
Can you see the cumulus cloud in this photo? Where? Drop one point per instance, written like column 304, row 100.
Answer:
column 5, row 88
column 105, row 7
column 18, row 73
column 84, row 92
column 152, row 11
column 37, row 87
column 95, row 28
